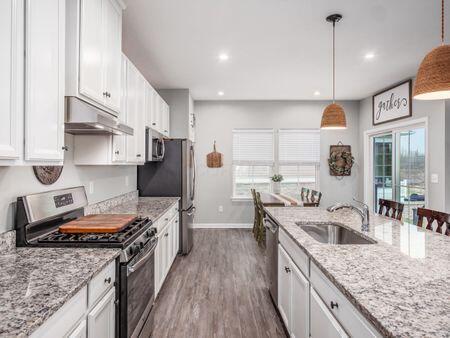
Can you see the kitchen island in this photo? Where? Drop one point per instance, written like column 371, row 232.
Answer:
column 399, row 284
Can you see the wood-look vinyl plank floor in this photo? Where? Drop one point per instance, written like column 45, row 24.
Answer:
column 218, row 290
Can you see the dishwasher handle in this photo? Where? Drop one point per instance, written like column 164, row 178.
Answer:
column 270, row 225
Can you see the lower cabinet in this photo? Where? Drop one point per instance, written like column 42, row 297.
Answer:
column 168, row 245
column 293, row 296
column 309, row 303
column 101, row 319
column 91, row 313
column 323, row 324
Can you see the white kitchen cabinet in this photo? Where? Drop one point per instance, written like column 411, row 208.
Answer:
column 11, row 81
column 323, row 324
column 93, row 54
column 155, row 112
column 165, row 113
column 80, row 331
column 299, row 303
column 139, row 128
column 284, row 280
column 44, row 80
column 101, row 319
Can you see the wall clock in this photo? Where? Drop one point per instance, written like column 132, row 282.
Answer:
column 47, row 174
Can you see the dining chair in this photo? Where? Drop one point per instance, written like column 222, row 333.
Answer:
column 304, row 193
column 441, row 218
column 260, row 230
column 390, row 209
column 316, row 197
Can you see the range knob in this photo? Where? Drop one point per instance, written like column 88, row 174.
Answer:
column 134, row 249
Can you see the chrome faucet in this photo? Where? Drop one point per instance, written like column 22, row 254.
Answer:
column 363, row 211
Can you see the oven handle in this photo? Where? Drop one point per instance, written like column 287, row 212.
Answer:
column 144, row 259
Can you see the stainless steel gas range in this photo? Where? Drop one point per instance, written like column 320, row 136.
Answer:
column 38, row 218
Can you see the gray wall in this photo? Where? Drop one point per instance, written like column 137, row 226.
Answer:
column 108, row 181
column 435, row 112
column 217, row 119
column 178, row 100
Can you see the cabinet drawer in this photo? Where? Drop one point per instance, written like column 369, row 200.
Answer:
column 61, row 323
column 166, row 217
column 101, row 283
column 348, row 316
column 298, row 255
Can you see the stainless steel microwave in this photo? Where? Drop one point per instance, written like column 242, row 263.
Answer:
column 154, row 147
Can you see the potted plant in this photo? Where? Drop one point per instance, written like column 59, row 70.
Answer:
column 276, row 180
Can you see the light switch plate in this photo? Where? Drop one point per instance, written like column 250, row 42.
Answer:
column 434, row 178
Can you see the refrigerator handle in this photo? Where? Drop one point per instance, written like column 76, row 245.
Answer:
column 194, row 168
column 191, row 212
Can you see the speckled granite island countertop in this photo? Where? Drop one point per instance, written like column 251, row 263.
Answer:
column 401, row 284
column 36, row 282
column 151, row 207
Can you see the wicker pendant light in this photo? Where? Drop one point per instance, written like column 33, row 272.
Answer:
column 433, row 77
column 333, row 117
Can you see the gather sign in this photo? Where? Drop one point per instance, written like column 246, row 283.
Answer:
column 392, row 104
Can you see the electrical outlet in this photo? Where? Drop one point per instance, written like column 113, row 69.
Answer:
column 434, row 178
column 220, row 208
column 91, row 188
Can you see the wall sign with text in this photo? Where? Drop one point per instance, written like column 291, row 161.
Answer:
column 392, row 104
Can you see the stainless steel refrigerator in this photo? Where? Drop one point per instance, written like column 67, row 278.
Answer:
column 174, row 176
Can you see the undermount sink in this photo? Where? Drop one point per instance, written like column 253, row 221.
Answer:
column 333, row 233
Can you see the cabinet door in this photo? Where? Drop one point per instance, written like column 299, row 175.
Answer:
column 140, row 120
column 299, row 303
column 11, row 20
column 284, row 297
column 101, row 319
column 132, row 115
column 176, row 237
column 166, row 119
column 322, row 322
column 148, row 105
column 112, row 54
column 80, row 331
column 156, row 118
column 119, row 147
column 157, row 267
column 44, row 80
column 91, row 50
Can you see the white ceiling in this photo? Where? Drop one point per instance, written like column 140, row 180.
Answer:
column 279, row 49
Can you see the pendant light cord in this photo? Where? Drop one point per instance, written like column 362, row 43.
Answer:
column 442, row 22
column 334, row 62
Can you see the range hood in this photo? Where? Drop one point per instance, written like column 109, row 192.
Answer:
column 84, row 118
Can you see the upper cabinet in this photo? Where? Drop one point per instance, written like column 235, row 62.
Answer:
column 158, row 113
column 32, row 36
column 11, row 81
column 44, row 80
column 93, row 60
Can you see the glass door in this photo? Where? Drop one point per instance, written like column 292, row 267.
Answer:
column 399, row 169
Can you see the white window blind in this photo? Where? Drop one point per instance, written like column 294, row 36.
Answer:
column 299, row 146
column 253, row 147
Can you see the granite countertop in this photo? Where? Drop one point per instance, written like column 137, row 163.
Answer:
column 36, row 282
column 151, row 207
column 400, row 284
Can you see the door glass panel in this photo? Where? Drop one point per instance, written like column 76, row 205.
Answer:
column 410, row 188
column 382, row 171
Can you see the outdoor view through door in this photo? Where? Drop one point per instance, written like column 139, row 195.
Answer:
column 399, row 169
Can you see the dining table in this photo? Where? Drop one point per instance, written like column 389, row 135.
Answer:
column 270, row 199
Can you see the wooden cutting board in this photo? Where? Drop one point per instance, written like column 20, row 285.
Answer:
column 107, row 223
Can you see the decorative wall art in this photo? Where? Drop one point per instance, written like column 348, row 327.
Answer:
column 47, row 174
column 214, row 159
column 392, row 104
column 341, row 160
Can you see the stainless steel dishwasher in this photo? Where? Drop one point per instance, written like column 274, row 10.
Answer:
column 272, row 257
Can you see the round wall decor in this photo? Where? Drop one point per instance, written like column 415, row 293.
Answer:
column 47, row 174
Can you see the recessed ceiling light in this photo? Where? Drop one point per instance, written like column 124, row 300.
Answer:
column 369, row 56
column 224, row 57
column 220, row 93
column 316, row 93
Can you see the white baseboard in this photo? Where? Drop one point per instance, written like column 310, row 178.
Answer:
column 222, row 225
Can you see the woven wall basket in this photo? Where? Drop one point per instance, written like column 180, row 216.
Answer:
column 214, row 159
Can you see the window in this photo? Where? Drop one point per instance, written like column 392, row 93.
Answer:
column 256, row 159
column 299, row 159
column 253, row 160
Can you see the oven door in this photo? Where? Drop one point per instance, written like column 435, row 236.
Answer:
column 137, row 291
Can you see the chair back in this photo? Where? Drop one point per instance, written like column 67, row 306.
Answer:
column 442, row 220
column 316, row 196
column 390, row 209
column 304, row 193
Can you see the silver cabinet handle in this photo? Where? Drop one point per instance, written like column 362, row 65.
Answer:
column 108, row 280
column 117, row 152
